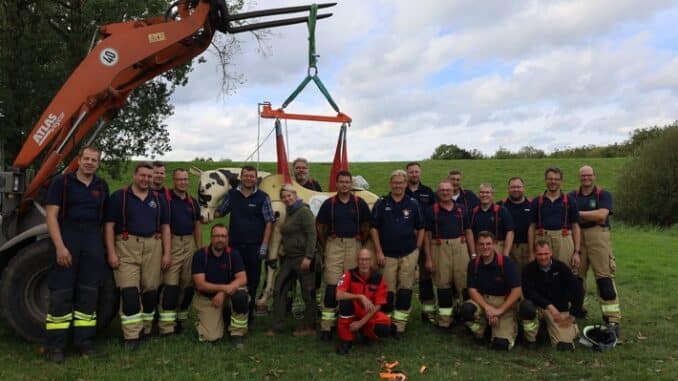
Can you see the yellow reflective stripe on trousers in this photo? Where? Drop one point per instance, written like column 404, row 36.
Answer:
column 610, row 308
column 59, row 319
column 530, row 325
column 84, row 320
column 182, row 315
column 84, row 323
column 84, row 316
column 56, row 326
column 400, row 315
column 445, row 311
column 168, row 316
column 131, row 319
column 236, row 323
column 474, row 327
column 325, row 315
column 428, row 307
column 148, row 316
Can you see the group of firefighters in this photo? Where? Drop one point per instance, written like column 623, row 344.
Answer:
column 479, row 262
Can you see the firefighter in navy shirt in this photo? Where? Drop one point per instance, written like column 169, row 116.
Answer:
column 186, row 231
column 556, row 219
column 446, row 251
column 520, row 208
column 494, row 289
column 595, row 207
column 343, row 224
column 494, row 218
column 460, row 195
column 426, row 198
column 75, row 204
column 220, row 283
column 138, row 245
column 398, row 235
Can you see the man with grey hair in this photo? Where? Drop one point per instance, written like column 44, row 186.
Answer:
column 301, row 169
column 397, row 230
column 493, row 218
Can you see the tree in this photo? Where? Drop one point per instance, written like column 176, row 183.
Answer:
column 43, row 41
column 450, row 152
column 646, row 194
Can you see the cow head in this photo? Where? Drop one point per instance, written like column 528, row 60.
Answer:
column 212, row 187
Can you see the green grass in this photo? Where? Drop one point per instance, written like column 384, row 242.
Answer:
column 645, row 279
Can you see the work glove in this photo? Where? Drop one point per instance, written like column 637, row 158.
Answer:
column 263, row 250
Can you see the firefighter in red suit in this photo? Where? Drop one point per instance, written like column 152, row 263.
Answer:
column 361, row 293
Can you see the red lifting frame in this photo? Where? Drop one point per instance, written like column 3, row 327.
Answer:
column 269, row 113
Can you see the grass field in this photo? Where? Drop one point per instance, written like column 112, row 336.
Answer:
column 646, row 282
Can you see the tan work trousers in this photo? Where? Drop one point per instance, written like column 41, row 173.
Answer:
column 178, row 274
column 556, row 332
column 340, row 255
column 398, row 274
column 140, row 260
column 450, row 262
column 506, row 328
column 596, row 253
column 520, row 254
column 210, row 320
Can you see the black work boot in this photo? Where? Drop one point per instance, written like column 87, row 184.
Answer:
column 344, row 348
column 565, row 347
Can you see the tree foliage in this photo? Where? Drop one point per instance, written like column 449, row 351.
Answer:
column 647, row 194
column 43, row 41
column 453, row 152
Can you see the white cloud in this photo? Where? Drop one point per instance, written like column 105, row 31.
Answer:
column 414, row 75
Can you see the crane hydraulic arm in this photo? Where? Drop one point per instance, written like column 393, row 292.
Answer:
column 126, row 55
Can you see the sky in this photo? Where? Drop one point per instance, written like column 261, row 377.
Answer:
column 417, row 74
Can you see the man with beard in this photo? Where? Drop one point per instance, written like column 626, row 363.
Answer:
column 520, row 208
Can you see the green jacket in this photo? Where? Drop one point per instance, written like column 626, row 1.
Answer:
column 298, row 233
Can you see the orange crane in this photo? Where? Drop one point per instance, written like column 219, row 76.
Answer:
column 125, row 55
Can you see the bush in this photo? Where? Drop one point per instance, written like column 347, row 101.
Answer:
column 647, row 188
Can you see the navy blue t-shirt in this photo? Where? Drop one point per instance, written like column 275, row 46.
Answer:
column 347, row 218
column 84, row 203
column 468, row 199
column 397, row 223
column 217, row 270
column 424, row 196
column 143, row 217
column 490, row 279
column 552, row 212
column 183, row 214
column 522, row 214
column 497, row 222
column 450, row 224
column 593, row 202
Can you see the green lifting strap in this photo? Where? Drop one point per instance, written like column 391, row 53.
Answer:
column 312, row 66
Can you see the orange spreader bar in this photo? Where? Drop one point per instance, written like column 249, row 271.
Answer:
column 268, row 112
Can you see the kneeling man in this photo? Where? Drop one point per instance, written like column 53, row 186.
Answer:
column 493, row 284
column 361, row 293
column 221, row 284
column 551, row 291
